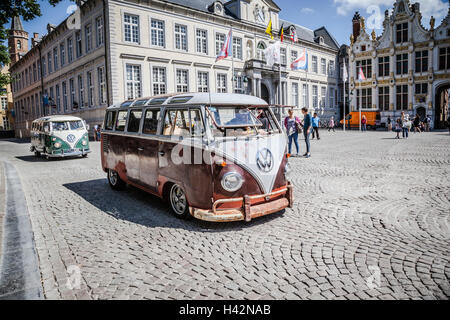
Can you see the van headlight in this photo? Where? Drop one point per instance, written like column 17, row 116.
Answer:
column 84, row 142
column 57, row 145
column 232, row 181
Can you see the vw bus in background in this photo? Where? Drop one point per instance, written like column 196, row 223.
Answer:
column 59, row 136
column 216, row 157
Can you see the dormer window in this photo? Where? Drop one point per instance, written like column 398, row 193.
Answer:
column 363, row 48
column 218, row 8
column 321, row 41
column 19, row 45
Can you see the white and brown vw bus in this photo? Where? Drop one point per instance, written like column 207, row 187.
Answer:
column 217, row 157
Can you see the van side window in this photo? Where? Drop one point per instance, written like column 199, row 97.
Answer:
column 121, row 120
column 176, row 123
column 134, row 120
column 109, row 121
column 197, row 127
column 151, row 120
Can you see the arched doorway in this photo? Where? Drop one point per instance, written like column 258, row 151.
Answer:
column 441, row 106
column 422, row 112
column 265, row 93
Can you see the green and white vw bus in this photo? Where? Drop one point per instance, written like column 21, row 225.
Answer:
column 59, row 136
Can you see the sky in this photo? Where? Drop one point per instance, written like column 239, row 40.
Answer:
column 335, row 15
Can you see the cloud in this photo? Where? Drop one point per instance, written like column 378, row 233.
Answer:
column 307, row 10
column 428, row 8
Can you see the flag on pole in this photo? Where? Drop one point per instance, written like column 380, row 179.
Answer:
column 361, row 74
column 272, row 54
column 269, row 29
column 227, row 48
column 301, row 63
column 345, row 73
column 281, row 33
column 294, row 37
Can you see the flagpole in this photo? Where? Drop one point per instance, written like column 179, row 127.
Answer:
column 232, row 60
column 344, row 73
column 360, row 103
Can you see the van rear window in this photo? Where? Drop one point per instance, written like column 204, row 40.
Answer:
column 121, row 120
column 109, row 121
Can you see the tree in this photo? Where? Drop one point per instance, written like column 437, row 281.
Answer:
column 28, row 10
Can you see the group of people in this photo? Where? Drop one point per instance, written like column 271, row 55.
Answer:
column 405, row 125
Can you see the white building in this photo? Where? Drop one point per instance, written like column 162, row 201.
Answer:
column 126, row 49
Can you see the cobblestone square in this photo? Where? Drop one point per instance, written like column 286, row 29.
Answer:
column 370, row 221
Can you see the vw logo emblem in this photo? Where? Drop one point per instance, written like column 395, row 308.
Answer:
column 71, row 138
column 264, row 160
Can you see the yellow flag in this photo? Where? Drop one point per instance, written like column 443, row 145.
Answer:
column 269, row 29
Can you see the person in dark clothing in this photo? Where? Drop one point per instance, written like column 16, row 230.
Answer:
column 416, row 123
column 307, row 126
column 448, row 123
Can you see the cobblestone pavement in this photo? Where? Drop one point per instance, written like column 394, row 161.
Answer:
column 371, row 221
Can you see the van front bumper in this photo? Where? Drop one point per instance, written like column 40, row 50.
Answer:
column 247, row 212
column 74, row 153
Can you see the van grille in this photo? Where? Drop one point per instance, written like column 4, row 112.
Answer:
column 105, row 143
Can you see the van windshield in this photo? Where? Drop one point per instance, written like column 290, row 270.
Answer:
column 67, row 125
column 76, row 125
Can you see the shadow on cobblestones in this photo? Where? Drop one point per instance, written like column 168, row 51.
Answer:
column 137, row 206
column 33, row 158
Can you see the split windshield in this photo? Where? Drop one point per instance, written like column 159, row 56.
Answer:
column 67, row 125
column 241, row 121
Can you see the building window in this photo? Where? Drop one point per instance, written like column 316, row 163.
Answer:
column 332, row 97
column 366, row 66
column 78, row 48
column 383, row 66
column 131, row 28
column 305, row 96
column 315, row 96
column 201, row 40
column 260, row 51
column 202, row 81
column 72, row 92
column 383, row 98
column 69, row 50
column 90, row 87
column 402, row 63
column 62, row 53
column 88, row 37
column 38, row 70
column 159, row 80
column 295, row 94
column 331, row 68
column 237, row 48
column 34, row 72
column 221, row 83
column 220, row 40
column 4, row 103
column 323, row 97
column 158, row 33
column 99, row 31
column 294, row 55
column 283, row 56
column 422, row 61
column 49, row 60
column 58, row 99
column 402, row 97
column 239, row 84
column 182, row 80
column 64, row 93
column 19, row 45
column 323, row 66
column 44, row 67
column 366, row 98
column 101, row 85
column 402, row 32
column 181, row 37
column 80, row 91
column 444, row 58
column 314, row 64
column 421, row 88
column 133, row 81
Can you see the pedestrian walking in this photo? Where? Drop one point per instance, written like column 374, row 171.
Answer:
column 398, row 127
column 293, row 126
column 389, row 123
column 315, row 125
column 448, row 123
column 331, row 124
column 307, row 127
column 95, row 132
column 405, row 123
column 427, row 122
column 364, row 123
column 99, row 131
column 417, row 124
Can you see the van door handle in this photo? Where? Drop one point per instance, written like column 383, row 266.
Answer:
column 140, row 149
column 162, row 153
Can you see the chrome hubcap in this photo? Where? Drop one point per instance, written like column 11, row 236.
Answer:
column 178, row 199
column 113, row 177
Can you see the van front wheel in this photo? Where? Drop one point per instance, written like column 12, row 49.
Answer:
column 178, row 202
column 114, row 180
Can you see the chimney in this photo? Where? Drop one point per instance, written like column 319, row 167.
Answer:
column 35, row 39
column 356, row 25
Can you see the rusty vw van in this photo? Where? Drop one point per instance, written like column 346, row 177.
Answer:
column 216, row 157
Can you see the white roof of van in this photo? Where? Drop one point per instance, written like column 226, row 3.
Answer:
column 58, row 118
column 218, row 99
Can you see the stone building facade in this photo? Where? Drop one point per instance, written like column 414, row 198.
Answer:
column 128, row 49
column 406, row 68
column 6, row 106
